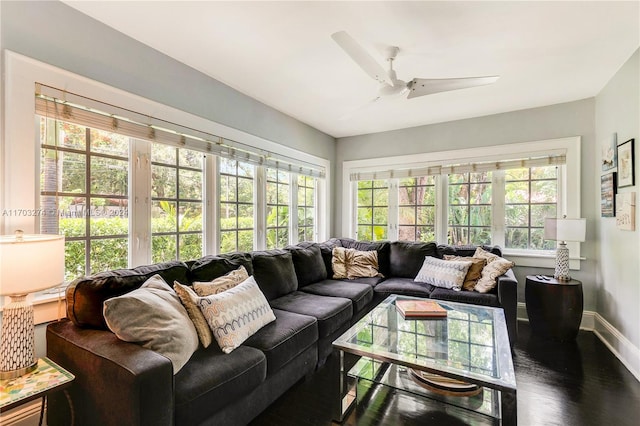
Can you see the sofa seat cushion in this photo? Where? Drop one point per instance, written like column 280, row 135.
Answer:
column 405, row 286
column 212, row 380
column 359, row 294
column 285, row 338
column 331, row 312
column 471, row 297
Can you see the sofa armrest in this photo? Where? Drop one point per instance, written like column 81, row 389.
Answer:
column 117, row 383
column 508, row 297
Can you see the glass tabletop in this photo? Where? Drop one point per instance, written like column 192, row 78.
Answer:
column 471, row 343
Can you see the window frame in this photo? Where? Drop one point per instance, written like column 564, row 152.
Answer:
column 569, row 189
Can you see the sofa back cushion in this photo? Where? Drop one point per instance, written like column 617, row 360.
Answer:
column 382, row 247
column 209, row 268
column 326, row 248
column 274, row 272
column 466, row 250
column 406, row 257
column 308, row 264
column 85, row 296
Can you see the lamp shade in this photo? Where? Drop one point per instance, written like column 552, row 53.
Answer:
column 565, row 229
column 30, row 263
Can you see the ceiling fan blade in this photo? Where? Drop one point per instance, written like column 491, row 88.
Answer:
column 427, row 86
column 361, row 57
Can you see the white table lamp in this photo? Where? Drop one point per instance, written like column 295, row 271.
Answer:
column 28, row 263
column 564, row 230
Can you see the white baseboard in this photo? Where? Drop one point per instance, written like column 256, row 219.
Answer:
column 616, row 342
column 25, row 415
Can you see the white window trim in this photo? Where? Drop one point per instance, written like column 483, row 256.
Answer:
column 568, row 201
column 19, row 180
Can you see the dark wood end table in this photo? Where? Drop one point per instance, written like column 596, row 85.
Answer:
column 554, row 307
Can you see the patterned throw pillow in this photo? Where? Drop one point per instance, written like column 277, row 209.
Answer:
column 189, row 300
column 351, row 263
column 474, row 273
column 222, row 283
column 153, row 317
column 236, row 314
column 483, row 254
column 491, row 272
column 443, row 273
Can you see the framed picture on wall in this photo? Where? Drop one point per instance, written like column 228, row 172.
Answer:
column 609, row 153
column 626, row 211
column 626, row 172
column 608, row 195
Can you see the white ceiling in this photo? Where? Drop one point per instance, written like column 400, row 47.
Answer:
column 281, row 53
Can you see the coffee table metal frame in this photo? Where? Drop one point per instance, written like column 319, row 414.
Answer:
column 384, row 361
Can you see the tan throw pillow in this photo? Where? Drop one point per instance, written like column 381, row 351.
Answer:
column 339, row 260
column 474, row 273
column 483, row 254
column 189, row 300
column 153, row 317
column 222, row 283
column 491, row 272
column 236, row 314
column 443, row 273
column 363, row 264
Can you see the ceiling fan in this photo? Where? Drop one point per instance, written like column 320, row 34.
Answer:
column 390, row 85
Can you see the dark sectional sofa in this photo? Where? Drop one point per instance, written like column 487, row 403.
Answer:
column 120, row 383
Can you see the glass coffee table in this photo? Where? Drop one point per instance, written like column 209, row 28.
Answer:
column 462, row 360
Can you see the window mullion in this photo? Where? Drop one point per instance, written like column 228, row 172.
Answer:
column 210, row 208
column 442, row 208
column 293, row 209
column 140, row 199
column 498, row 208
column 393, row 211
column 260, row 208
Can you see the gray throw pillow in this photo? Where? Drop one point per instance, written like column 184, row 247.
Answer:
column 153, row 317
column 443, row 273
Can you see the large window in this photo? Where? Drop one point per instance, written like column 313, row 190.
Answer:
column 236, row 205
column 531, row 194
column 501, row 198
column 278, row 202
column 373, row 210
column 176, row 207
column 416, row 214
column 84, row 176
column 469, row 208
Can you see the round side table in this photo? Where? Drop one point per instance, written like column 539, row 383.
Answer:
column 554, row 307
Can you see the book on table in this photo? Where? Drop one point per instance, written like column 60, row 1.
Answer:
column 420, row 309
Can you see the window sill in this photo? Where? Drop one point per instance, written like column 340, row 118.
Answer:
column 47, row 307
column 539, row 260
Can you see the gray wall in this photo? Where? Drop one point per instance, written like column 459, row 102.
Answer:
column 57, row 34
column 618, row 271
column 555, row 121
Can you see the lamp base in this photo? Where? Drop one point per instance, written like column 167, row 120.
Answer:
column 17, row 348
column 562, row 263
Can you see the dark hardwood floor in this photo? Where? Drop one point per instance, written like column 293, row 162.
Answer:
column 566, row 384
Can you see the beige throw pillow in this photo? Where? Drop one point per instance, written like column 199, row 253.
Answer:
column 491, row 272
column 236, row 314
column 351, row 263
column 222, row 283
column 474, row 273
column 189, row 300
column 153, row 317
column 364, row 264
column 483, row 254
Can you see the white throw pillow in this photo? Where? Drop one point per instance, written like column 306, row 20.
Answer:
column 153, row 317
column 443, row 273
column 236, row 314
